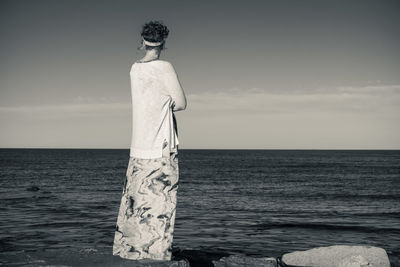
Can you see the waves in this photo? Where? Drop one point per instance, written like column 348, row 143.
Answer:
column 328, row 227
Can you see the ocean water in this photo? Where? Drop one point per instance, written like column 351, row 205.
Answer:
column 252, row 202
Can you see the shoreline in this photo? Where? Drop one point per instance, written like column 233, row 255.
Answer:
column 180, row 257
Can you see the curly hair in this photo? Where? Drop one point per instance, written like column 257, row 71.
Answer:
column 155, row 31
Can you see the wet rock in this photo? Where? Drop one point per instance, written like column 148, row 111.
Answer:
column 198, row 258
column 88, row 257
column 354, row 261
column 338, row 255
column 145, row 263
column 33, row 188
column 239, row 261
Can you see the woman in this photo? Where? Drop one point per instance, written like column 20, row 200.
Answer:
column 146, row 216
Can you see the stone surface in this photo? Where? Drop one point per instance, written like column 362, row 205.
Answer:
column 339, row 255
column 144, row 263
column 80, row 258
column 354, row 261
column 199, row 257
column 240, row 261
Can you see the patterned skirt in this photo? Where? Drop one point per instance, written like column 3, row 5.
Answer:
column 146, row 217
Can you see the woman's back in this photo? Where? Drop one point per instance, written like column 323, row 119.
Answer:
column 153, row 90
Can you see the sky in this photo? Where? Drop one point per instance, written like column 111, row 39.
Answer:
column 256, row 74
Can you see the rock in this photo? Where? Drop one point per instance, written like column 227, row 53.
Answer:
column 339, row 255
column 239, row 261
column 33, row 188
column 145, row 263
column 88, row 257
column 202, row 257
column 354, row 261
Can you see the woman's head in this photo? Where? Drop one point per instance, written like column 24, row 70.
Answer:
column 154, row 33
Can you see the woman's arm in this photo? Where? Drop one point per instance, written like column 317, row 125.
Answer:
column 174, row 88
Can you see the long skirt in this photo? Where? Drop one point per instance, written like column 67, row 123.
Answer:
column 146, row 217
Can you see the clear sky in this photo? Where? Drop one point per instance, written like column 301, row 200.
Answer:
column 257, row 74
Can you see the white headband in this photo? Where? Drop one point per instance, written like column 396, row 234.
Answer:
column 151, row 43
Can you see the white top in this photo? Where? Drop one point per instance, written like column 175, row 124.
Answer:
column 152, row 111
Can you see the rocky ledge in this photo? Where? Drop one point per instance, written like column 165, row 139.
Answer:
column 332, row 256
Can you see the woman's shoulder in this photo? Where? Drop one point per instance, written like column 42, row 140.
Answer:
column 160, row 62
column 156, row 61
column 164, row 63
column 160, row 66
column 166, row 66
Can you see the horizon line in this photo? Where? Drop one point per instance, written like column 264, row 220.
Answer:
column 83, row 148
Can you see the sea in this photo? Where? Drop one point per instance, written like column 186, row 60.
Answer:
column 62, row 204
